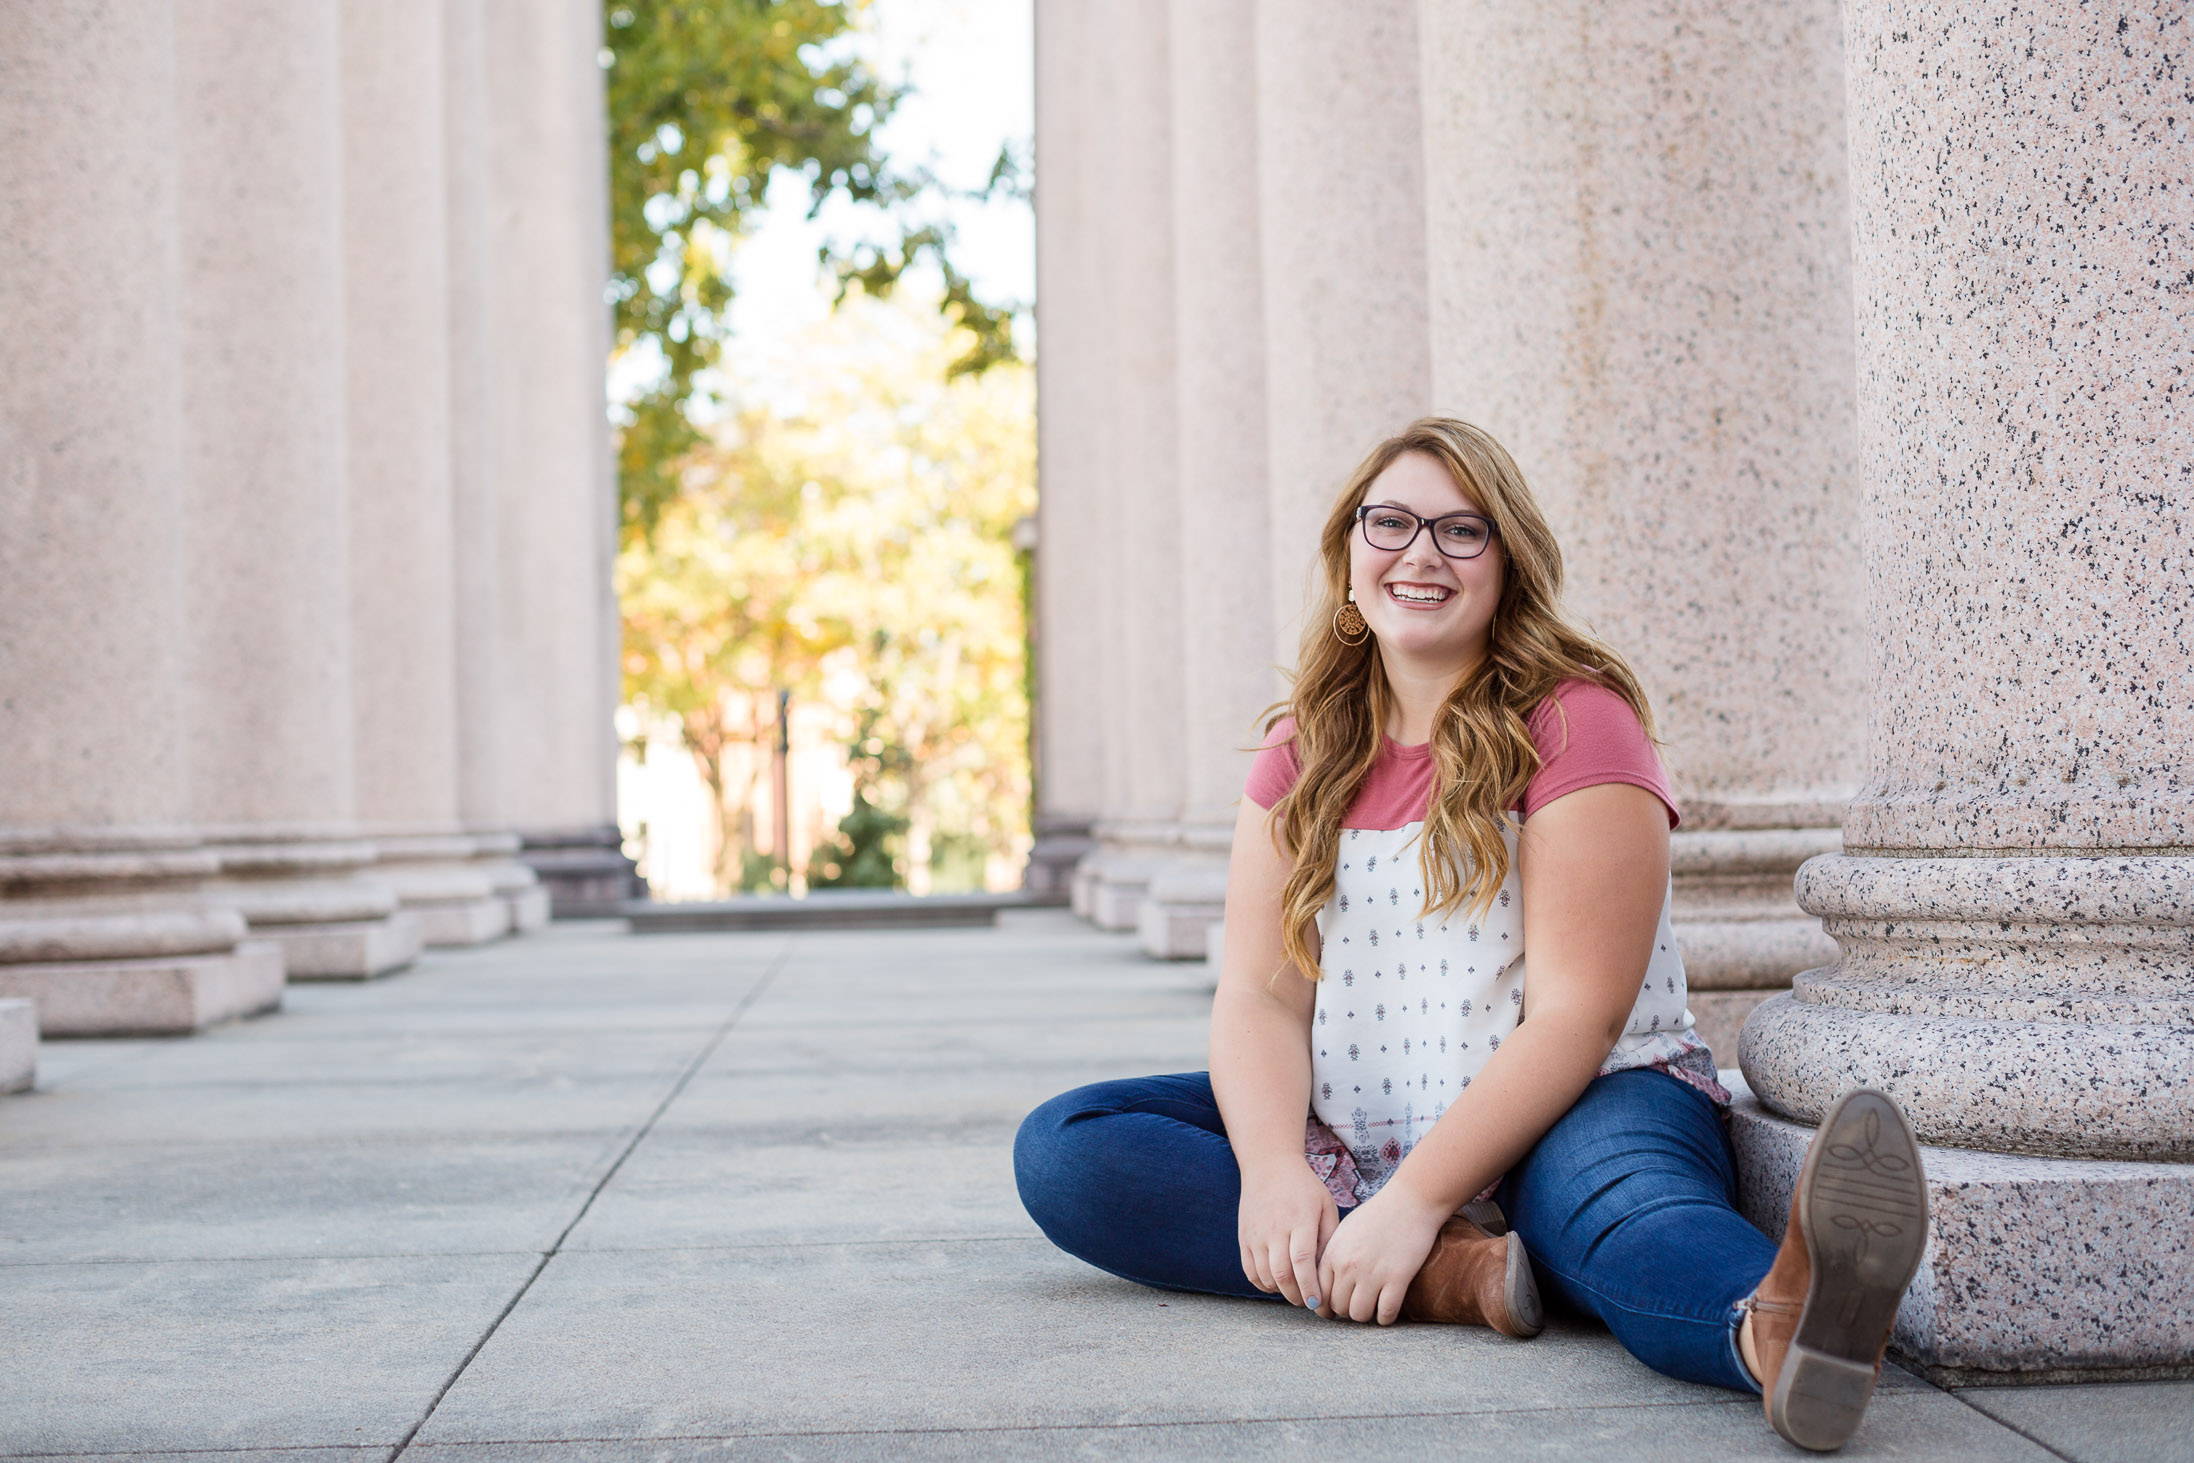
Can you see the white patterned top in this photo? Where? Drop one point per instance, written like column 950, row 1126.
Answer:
column 1411, row 1008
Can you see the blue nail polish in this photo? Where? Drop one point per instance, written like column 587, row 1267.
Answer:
column 1310, row 1302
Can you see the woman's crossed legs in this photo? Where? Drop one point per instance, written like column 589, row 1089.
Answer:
column 1626, row 1206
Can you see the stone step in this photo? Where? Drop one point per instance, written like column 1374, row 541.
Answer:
column 833, row 910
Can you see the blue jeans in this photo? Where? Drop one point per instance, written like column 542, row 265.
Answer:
column 1627, row 1206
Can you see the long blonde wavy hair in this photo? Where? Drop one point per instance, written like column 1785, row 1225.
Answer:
column 1482, row 751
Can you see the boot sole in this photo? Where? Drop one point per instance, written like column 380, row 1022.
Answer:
column 1865, row 1225
column 1520, row 1292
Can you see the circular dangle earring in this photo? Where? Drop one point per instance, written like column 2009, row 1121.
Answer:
column 1349, row 626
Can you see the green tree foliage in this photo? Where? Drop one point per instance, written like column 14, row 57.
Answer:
column 707, row 99
column 847, row 537
column 870, row 848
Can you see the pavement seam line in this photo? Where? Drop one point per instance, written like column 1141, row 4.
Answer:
column 1958, row 1395
column 693, row 1068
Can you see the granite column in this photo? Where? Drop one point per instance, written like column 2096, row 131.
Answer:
column 555, row 504
column 1341, row 206
column 454, row 878
column 2015, row 903
column 266, row 525
column 1140, row 826
column 1640, row 263
column 1073, row 443
column 105, row 925
column 1303, row 323
column 403, row 571
column 1225, row 641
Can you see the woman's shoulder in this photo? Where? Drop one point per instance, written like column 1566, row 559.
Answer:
column 1578, row 709
column 1276, row 767
column 1588, row 734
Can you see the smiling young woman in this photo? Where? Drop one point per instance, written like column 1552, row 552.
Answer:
column 1460, row 774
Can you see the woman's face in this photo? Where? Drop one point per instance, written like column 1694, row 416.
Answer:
column 1431, row 613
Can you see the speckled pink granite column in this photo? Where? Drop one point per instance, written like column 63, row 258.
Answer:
column 1640, row 282
column 485, row 698
column 1341, row 193
column 1138, row 551
column 2016, row 907
column 1073, row 442
column 91, row 516
column 547, row 216
column 1225, row 641
column 266, row 480
column 104, row 922
column 265, row 495
column 397, row 340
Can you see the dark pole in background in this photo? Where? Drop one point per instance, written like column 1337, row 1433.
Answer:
column 782, row 800
column 1024, row 550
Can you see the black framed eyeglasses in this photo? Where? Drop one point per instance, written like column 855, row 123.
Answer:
column 1457, row 535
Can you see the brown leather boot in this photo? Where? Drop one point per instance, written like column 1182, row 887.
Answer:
column 1472, row 1278
column 1822, row 1316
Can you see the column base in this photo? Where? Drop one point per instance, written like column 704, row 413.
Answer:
column 1121, row 882
column 1751, row 955
column 1719, row 1018
column 114, row 933
column 2032, row 1004
column 585, row 870
column 1111, row 883
column 433, row 876
column 530, row 909
column 18, row 1046
column 348, row 950
column 459, row 922
column 1061, row 844
column 309, row 897
column 2037, row 1269
column 170, row 995
column 1184, row 900
column 1737, row 920
column 516, row 884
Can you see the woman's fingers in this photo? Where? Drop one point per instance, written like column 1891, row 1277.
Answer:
column 1390, row 1302
column 1283, row 1271
column 1363, row 1300
column 1329, row 1219
column 1253, row 1265
column 1303, row 1265
column 1333, row 1288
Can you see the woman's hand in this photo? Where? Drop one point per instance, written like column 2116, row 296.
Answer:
column 1366, row 1270
column 1284, row 1222
column 1260, row 1072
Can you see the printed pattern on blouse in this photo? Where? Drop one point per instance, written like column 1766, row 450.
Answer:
column 1411, row 1008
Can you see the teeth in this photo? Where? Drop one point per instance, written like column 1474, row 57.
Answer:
column 1422, row 596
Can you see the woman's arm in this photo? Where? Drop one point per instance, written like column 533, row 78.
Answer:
column 1260, row 1071
column 1594, row 868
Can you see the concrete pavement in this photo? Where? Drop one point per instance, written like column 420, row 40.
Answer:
column 586, row 1195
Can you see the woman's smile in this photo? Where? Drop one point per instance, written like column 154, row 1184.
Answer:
column 1418, row 595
